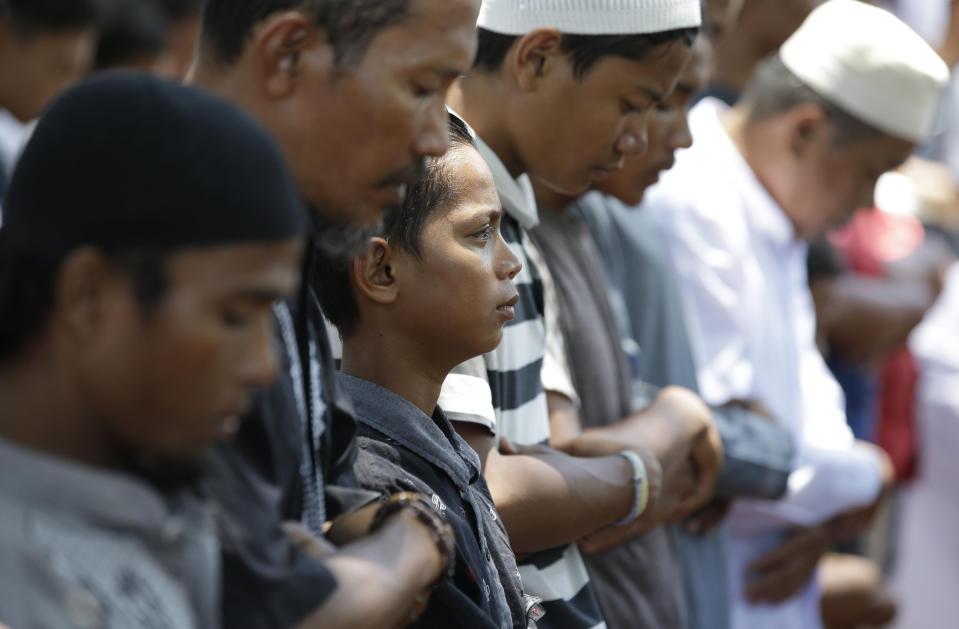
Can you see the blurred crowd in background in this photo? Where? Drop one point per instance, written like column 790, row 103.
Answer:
column 884, row 287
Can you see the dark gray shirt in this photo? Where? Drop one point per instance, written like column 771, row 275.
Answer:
column 400, row 448
column 84, row 547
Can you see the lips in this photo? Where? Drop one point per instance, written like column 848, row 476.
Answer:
column 506, row 308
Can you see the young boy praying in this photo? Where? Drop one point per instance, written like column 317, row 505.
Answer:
column 433, row 291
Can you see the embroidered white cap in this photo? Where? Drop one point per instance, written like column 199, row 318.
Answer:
column 589, row 17
column 868, row 62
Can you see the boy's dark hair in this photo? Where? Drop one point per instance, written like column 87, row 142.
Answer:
column 402, row 228
column 130, row 30
column 350, row 25
column 30, row 16
column 584, row 50
column 28, row 284
column 774, row 89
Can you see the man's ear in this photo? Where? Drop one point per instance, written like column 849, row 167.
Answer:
column 809, row 125
column 535, row 55
column 82, row 292
column 374, row 275
column 283, row 45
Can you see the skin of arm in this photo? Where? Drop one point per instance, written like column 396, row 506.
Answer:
column 548, row 499
column 678, row 432
column 380, row 578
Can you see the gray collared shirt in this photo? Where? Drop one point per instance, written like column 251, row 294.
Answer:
column 403, row 449
column 87, row 548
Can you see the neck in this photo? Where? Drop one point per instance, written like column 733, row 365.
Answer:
column 43, row 411
column 471, row 97
column 752, row 142
column 405, row 368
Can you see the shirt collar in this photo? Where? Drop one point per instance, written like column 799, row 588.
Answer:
column 764, row 214
column 110, row 499
column 398, row 419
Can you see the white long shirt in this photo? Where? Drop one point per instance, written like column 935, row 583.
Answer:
column 741, row 274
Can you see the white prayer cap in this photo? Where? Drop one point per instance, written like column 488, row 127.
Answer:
column 589, row 17
column 868, row 62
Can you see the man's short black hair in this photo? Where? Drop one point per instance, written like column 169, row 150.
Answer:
column 30, row 16
column 350, row 25
column 402, row 228
column 28, row 284
column 774, row 89
column 584, row 50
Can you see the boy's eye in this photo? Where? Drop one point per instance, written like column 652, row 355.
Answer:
column 485, row 233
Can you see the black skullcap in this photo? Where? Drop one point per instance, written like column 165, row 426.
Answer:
column 130, row 161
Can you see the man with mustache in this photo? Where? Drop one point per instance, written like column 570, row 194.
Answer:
column 354, row 91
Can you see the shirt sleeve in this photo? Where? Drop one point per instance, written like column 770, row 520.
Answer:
column 466, row 395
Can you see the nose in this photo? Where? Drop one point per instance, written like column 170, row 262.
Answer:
column 432, row 133
column 682, row 137
column 508, row 265
column 634, row 141
column 262, row 361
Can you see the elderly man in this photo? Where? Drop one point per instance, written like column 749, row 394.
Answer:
column 819, row 123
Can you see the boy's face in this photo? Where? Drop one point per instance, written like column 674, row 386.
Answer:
column 458, row 294
column 357, row 136
column 577, row 131
column 174, row 380
column 668, row 132
column 35, row 68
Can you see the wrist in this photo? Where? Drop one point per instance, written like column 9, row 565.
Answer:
column 640, row 485
column 418, row 512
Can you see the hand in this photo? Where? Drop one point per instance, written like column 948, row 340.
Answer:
column 678, row 427
column 853, row 594
column 784, row 572
column 707, row 459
